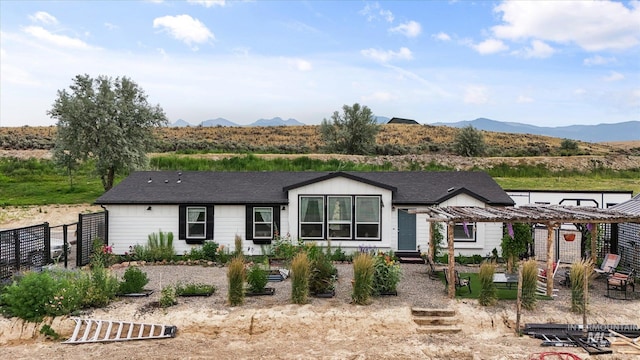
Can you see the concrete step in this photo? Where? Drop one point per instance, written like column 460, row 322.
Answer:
column 435, row 321
column 439, row 330
column 433, row 312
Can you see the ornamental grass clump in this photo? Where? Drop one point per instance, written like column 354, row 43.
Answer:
column 300, row 272
column 529, row 284
column 579, row 274
column 236, row 275
column 362, row 279
column 488, row 292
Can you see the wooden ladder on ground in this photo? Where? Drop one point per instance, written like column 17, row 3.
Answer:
column 435, row 321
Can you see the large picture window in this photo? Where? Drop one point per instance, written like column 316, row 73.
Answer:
column 367, row 217
column 262, row 222
column 312, row 217
column 339, row 217
column 464, row 232
column 196, row 222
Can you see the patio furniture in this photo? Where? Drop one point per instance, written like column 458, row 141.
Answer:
column 541, row 285
column 507, row 280
column 609, row 264
column 621, row 281
column 433, row 273
column 459, row 282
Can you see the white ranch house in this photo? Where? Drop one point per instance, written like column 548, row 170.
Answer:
column 353, row 209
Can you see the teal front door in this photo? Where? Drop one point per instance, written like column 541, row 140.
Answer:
column 406, row 231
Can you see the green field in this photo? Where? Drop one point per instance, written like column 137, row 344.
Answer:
column 39, row 182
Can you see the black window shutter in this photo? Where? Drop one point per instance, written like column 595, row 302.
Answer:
column 210, row 222
column 249, row 223
column 182, row 222
column 276, row 220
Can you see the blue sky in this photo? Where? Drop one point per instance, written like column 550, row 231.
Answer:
column 543, row 63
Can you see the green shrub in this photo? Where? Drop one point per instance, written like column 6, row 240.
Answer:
column 362, row 279
column 236, row 276
column 134, row 281
column 100, row 287
column 386, row 274
column 48, row 331
column 529, row 284
column 322, row 275
column 29, row 297
column 194, row 289
column 168, row 296
column 160, row 247
column 339, row 254
column 210, row 250
column 257, row 278
column 101, row 254
column 488, row 292
column 300, row 271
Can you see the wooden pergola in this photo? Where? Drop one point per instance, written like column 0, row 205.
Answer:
column 552, row 216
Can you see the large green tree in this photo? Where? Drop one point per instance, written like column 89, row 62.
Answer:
column 469, row 142
column 352, row 132
column 107, row 120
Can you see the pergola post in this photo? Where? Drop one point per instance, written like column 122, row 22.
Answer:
column 432, row 245
column 550, row 257
column 594, row 238
column 452, row 261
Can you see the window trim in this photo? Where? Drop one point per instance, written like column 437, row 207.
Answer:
column 202, row 222
column 322, row 222
column 183, row 223
column 472, row 232
column 349, row 222
column 378, row 223
column 270, row 223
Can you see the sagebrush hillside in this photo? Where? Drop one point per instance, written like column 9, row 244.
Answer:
column 393, row 139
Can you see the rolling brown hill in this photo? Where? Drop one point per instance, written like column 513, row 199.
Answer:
column 393, row 139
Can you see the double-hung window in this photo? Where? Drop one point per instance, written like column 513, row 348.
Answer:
column 465, row 232
column 367, row 217
column 196, row 222
column 312, row 217
column 262, row 222
column 339, row 217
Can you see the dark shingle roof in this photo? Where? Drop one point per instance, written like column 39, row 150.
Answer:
column 204, row 187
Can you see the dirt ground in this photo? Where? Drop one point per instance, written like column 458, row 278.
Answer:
column 327, row 329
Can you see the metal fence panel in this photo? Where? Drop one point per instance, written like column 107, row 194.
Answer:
column 90, row 227
column 23, row 249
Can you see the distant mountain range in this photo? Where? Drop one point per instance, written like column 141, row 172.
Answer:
column 623, row 131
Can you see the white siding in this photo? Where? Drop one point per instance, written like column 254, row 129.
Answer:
column 131, row 225
column 229, row 221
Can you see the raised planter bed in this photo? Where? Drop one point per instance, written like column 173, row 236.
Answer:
column 266, row 291
column 326, row 295
column 143, row 293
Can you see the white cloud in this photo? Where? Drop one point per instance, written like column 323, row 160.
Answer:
column 592, row 25
column 442, row 36
column 110, row 26
column 184, row 28
column 300, row 64
column 598, row 60
column 476, row 94
column 524, row 99
column 490, row 46
column 538, row 49
column 410, row 29
column 207, row 3
column 44, row 18
column 580, row 91
column 372, row 10
column 58, row 40
column 385, row 56
column 613, row 76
